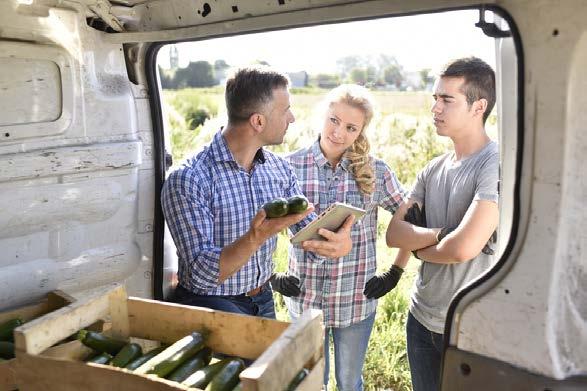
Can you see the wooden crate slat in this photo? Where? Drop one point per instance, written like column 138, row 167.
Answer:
column 39, row 373
column 282, row 349
column 53, row 301
column 39, row 334
column 234, row 334
column 278, row 365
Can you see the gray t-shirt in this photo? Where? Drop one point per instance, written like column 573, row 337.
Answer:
column 447, row 188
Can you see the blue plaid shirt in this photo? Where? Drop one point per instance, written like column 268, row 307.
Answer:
column 209, row 202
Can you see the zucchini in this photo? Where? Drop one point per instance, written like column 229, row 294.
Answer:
column 200, row 360
column 100, row 342
column 128, row 353
column 276, row 208
column 202, row 377
column 6, row 349
column 131, row 366
column 301, row 375
column 296, row 204
column 171, row 358
column 102, row 358
column 227, row 378
column 7, row 328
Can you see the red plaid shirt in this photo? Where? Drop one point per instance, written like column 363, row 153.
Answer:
column 336, row 285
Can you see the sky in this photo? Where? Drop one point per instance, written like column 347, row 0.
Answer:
column 417, row 42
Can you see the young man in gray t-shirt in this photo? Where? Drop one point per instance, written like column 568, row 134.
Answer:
column 457, row 193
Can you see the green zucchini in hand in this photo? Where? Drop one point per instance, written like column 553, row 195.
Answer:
column 296, row 204
column 172, row 357
column 100, row 342
column 276, row 208
column 200, row 360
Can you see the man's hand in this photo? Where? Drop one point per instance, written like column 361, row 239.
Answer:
column 285, row 284
column 337, row 244
column 262, row 228
column 416, row 216
column 380, row 285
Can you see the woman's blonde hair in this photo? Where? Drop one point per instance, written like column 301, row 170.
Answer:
column 358, row 153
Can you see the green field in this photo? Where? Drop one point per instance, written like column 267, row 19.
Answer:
column 402, row 135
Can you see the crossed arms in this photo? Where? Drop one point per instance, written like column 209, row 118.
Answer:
column 464, row 243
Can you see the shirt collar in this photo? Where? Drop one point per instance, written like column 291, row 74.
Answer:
column 221, row 152
column 321, row 160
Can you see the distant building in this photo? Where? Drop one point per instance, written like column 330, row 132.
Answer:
column 298, row 79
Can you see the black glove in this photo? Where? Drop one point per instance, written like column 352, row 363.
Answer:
column 380, row 285
column 285, row 284
column 487, row 248
column 415, row 215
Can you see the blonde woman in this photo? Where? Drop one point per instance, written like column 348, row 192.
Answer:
column 338, row 168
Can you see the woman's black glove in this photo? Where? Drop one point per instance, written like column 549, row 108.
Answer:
column 380, row 285
column 285, row 284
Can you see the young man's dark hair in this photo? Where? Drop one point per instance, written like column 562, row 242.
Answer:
column 249, row 88
column 479, row 80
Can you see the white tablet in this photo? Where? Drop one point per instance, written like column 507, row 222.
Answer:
column 331, row 219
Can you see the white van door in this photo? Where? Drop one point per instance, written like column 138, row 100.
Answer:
column 76, row 198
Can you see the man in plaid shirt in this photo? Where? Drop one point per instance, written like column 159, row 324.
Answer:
column 212, row 203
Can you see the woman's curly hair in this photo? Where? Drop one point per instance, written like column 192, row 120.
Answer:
column 358, row 153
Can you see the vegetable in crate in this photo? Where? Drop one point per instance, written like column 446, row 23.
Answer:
column 144, row 358
column 227, row 378
column 175, row 355
column 7, row 328
column 200, row 360
column 102, row 358
column 128, row 353
column 301, row 375
column 6, row 350
column 202, row 377
column 100, row 342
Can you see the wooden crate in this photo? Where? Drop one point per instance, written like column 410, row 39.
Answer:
column 53, row 301
column 280, row 349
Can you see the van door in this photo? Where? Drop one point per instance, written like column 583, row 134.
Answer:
column 76, row 198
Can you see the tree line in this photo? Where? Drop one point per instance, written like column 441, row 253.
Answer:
column 382, row 71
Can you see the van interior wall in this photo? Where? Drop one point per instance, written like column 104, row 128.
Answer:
column 531, row 313
column 76, row 189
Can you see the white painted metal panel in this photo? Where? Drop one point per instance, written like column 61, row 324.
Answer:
column 39, row 81
column 36, row 82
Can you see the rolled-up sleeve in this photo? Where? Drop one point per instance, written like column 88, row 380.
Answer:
column 191, row 224
column 394, row 194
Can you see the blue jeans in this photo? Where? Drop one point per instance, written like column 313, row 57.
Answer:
column 350, row 348
column 259, row 305
column 424, row 355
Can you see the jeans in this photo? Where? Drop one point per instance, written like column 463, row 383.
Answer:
column 424, row 354
column 350, row 348
column 259, row 305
